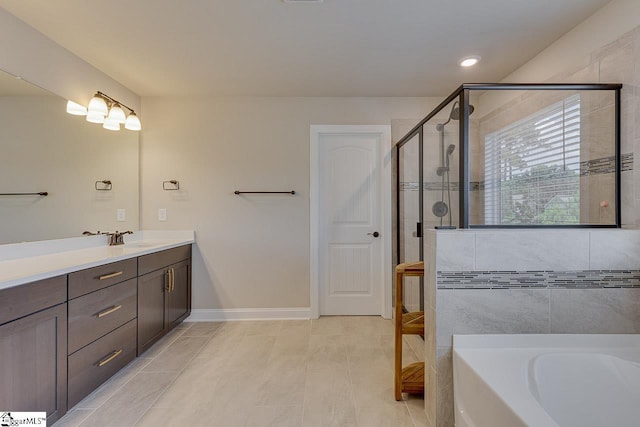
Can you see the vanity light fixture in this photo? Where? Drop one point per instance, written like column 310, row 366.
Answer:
column 108, row 111
column 469, row 61
column 116, row 113
column 111, row 124
column 132, row 122
column 98, row 105
column 95, row 117
column 76, row 109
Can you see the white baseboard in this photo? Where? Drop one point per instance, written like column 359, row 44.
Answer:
column 226, row 314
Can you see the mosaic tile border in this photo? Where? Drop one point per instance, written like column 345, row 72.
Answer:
column 437, row 186
column 603, row 165
column 606, row 165
column 585, row 279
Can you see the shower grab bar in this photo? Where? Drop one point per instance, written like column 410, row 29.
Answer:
column 264, row 192
column 41, row 193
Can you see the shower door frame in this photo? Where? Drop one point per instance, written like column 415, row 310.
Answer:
column 463, row 93
column 417, row 130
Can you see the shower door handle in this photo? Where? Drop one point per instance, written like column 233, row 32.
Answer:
column 374, row 234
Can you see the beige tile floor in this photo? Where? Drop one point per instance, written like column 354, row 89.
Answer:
column 334, row 371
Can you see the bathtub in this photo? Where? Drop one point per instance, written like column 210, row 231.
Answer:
column 546, row 380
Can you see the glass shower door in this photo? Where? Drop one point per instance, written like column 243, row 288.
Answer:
column 410, row 194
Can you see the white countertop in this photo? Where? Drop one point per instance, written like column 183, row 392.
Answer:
column 22, row 263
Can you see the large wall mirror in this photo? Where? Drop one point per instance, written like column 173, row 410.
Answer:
column 44, row 149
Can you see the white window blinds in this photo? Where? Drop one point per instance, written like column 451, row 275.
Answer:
column 532, row 168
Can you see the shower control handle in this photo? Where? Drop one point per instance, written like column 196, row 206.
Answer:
column 374, row 234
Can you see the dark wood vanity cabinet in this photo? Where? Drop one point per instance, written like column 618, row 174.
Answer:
column 33, row 348
column 102, row 312
column 164, row 293
column 60, row 338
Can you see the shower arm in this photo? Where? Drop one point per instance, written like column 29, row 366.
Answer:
column 440, row 128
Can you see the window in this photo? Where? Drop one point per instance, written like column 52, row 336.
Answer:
column 532, row 168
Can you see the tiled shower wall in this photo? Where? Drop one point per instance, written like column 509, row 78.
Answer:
column 597, row 139
column 617, row 62
column 525, row 281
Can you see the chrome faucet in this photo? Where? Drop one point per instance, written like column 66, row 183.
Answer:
column 114, row 239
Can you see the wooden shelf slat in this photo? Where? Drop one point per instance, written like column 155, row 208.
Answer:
column 409, row 379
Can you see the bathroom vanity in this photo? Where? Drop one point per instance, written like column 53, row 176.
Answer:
column 63, row 336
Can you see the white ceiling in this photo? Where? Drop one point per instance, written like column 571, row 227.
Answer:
column 272, row 48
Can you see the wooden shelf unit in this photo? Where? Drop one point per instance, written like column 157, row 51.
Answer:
column 409, row 379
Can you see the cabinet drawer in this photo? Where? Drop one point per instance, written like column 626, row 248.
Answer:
column 92, row 279
column 22, row 300
column 158, row 260
column 97, row 362
column 98, row 313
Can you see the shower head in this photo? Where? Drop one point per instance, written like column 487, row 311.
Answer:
column 450, row 149
column 455, row 111
column 454, row 115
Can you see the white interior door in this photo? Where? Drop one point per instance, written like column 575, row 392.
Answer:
column 350, row 251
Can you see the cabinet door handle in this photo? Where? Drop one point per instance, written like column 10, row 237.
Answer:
column 110, row 358
column 173, row 279
column 109, row 276
column 167, row 285
column 109, row 310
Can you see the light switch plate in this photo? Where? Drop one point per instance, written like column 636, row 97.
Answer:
column 121, row 214
column 162, row 214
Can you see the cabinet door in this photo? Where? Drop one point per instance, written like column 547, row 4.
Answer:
column 179, row 299
column 33, row 372
column 151, row 308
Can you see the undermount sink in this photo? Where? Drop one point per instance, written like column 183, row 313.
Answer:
column 141, row 244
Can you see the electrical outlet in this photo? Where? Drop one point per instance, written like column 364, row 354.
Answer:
column 121, row 214
column 162, row 214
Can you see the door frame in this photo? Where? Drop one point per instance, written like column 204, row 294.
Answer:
column 385, row 199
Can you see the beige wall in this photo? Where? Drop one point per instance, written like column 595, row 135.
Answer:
column 574, row 49
column 252, row 251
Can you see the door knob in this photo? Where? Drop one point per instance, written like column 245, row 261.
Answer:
column 374, row 234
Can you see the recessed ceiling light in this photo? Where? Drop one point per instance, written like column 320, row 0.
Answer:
column 469, row 61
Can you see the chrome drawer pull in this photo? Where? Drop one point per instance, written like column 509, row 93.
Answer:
column 109, row 310
column 109, row 276
column 110, row 358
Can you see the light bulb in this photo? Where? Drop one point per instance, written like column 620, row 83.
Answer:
column 469, row 61
column 117, row 114
column 94, row 117
column 98, row 105
column 133, row 122
column 76, row 109
column 111, row 124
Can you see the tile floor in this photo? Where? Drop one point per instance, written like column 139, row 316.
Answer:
column 335, row 371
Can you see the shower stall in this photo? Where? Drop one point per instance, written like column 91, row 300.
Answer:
column 509, row 156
